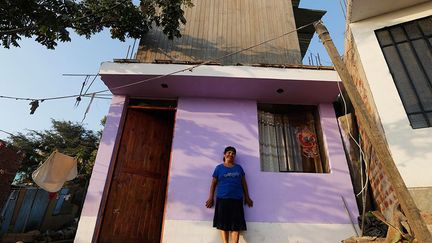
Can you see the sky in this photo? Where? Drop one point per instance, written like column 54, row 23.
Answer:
column 33, row 71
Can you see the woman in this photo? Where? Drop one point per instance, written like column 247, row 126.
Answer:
column 231, row 188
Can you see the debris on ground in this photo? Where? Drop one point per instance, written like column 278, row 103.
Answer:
column 379, row 229
column 64, row 235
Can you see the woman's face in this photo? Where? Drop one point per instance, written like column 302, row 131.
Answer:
column 229, row 156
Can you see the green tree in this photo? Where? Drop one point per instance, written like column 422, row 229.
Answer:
column 49, row 21
column 67, row 137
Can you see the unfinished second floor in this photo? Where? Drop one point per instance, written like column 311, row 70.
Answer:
column 217, row 29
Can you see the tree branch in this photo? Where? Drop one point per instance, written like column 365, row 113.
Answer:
column 17, row 30
column 32, row 27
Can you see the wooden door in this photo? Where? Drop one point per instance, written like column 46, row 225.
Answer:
column 135, row 203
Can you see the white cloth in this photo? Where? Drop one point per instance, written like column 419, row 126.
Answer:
column 55, row 171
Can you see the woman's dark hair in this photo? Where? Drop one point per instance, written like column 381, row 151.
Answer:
column 229, row 148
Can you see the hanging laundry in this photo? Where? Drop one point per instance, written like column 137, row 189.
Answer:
column 55, row 171
column 34, row 105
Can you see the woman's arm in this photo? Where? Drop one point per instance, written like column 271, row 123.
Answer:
column 210, row 200
column 248, row 200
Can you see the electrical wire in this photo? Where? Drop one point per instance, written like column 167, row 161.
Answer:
column 51, row 98
column 97, row 97
column 91, row 83
column 362, row 156
column 78, row 74
column 101, row 94
column 208, row 62
column 165, row 75
column 42, row 99
column 355, row 141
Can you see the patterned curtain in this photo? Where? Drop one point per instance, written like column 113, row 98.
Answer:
column 279, row 147
column 288, row 142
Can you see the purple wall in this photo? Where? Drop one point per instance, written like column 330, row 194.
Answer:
column 205, row 126
column 103, row 158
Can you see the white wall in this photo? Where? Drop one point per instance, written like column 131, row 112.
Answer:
column 411, row 148
column 178, row 231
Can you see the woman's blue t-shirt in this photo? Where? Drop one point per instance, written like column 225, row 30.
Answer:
column 229, row 183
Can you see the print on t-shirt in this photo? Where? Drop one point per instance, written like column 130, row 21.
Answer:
column 229, row 181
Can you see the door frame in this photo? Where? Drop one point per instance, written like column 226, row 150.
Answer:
column 107, row 187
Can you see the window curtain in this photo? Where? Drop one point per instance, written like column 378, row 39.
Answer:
column 279, row 146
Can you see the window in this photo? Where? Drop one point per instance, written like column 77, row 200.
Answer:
column 407, row 49
column 289, row 141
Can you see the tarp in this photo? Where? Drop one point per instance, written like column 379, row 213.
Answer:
column 55, row 171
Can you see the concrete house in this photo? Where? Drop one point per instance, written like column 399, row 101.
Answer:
column 170, row 120
column 389, row 54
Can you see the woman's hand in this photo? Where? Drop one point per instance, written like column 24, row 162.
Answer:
column 248, row 202
column 210, row 200
column 209, row 203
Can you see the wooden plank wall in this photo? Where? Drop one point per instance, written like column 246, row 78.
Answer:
column 216, row 28
column 31, row 209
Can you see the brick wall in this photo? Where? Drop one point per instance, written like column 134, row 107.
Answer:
column 10, row 161
column 382, row 191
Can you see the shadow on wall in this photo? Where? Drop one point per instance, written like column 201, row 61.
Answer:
column 203, row 128
column 156, row 46
column 103, row 158
column 112, row 123
column 278, row 197
column 210, row 141
column 199, row 148
column 413, row 143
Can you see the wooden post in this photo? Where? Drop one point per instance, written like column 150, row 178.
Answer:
column 377, row 140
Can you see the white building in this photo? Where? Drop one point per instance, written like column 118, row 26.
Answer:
column 389, row 54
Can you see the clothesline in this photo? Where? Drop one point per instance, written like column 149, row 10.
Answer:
column 160, row 76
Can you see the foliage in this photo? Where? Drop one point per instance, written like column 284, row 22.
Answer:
column 49, row 21
column 67, row 137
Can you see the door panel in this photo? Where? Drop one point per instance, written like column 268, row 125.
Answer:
column 135, row 203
